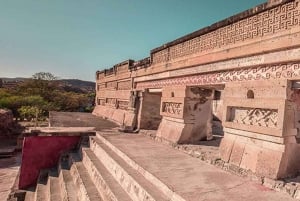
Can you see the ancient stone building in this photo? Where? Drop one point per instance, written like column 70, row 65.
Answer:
column 243, row 70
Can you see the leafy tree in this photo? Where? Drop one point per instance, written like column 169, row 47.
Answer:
column 44, row 76
column 43, row 93
column 29, row 112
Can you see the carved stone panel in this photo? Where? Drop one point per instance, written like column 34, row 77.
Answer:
column 111, row 102
column 100, row 76
column 254, row 116
column 100, row 86
column 280, row 18
column 172, row 109
column 111, row 85
column 123, row 105
column 101, row 101
column 124, row 85
column 122, row 68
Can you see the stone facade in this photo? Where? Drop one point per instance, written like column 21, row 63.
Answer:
column 243, row 71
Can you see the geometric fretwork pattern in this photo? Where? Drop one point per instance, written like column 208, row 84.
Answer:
column 172, row 108
column 258, row 73
column 255, row 116
column 280, row 18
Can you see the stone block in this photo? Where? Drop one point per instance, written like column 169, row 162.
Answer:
column 176, row 131
column 268, row 163
column 226, row 148
column 176, row 92
column 250, row 157
column 237, row 153
column 118, row 116
column 261, row 89
column 290, row 165
column 270, row 183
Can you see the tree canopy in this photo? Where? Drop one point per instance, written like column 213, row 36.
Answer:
column 42, row 93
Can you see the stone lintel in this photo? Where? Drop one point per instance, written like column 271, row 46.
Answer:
column 60, row 131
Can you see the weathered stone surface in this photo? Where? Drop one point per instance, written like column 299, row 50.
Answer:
column 249, row 159
column 237, row 153
column 226, row 147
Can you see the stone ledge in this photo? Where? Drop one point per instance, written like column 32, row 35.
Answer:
column 60, row 131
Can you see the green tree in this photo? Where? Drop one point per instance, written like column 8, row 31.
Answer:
column 30, row 112
column 44, row 76
column 43, row 93
column 42, row 84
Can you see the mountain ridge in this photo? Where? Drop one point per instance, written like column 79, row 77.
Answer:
column 68, row 84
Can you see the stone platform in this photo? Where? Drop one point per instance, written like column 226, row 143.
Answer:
column 117, row 166
column 188, row 177
column 133, row 167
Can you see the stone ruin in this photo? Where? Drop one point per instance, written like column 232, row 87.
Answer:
column 6, row 122
column 243, row 71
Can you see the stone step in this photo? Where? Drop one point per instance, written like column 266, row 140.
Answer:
column 54, row 190
column 67, row 187
column 106, row 184
column 29, row 196
column 41, row 191
column 134, row 183
column 87, row 190
column 147, row 175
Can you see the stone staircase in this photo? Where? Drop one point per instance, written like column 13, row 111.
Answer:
column 98, row 172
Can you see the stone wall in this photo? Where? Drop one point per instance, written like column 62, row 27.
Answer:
column 254, row 54
column 260, row 128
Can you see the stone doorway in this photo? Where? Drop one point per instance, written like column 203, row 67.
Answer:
column 217, row 112
column 149, row 116
column 211, row 115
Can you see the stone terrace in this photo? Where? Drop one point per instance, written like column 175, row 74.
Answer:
column 118, row 166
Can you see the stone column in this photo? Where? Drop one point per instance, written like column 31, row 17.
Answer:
column 259, row 127
column 187, row 114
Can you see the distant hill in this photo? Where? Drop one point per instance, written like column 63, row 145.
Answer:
column 75, row 85
column 16, row 79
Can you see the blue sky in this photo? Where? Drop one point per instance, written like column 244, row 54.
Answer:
column 75, row 38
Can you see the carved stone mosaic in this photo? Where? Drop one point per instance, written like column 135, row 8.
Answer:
column 172, row 108
column 123, row 105
column 280, row 18
column 122, row 68
column 101, row 101
column 100, row 86
column 100, row 76
column 286, row 71
column 125, row 85
column 111, row 102
column 111, row 84
column 109, row 72
column 254, row 116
